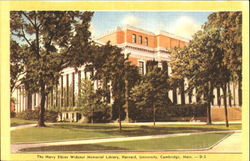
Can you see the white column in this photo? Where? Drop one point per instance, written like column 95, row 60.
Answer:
column 215, row 97
column 82, row 74
column 32, row 102
column 231, row 95
column 76, row 82
column 236, row 93
column 170, row 95
column 22, row 100
column 37, row 100
column 169, row 70
column 17, row 100
column 194, row 96
column 178, row 96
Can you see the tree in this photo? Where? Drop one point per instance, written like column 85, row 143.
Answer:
column 152, row 91
column 108, row 63
column 90, row 100
column 212, row 58
column 229, row 24
column 131, row 78
column 16, row 65
column 201, row 64
column 51, row 41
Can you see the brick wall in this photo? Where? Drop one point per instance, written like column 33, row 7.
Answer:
column 218, row 114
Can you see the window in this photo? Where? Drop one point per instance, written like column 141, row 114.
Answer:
column 141, row 67
column 133, row 38
column 140, row 39
column 146, row 41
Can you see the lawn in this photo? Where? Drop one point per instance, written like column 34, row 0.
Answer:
column 77, row 131
column 17, row 122
column 172, row 143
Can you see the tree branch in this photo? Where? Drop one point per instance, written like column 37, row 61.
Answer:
column 23, row 35
column 28, row 19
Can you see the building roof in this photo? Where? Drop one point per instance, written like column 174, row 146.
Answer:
column 129, row 27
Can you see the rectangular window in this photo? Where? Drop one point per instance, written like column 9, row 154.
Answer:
column 146, row 41
column 133, row 38
column 141, row 67
column 140, row 39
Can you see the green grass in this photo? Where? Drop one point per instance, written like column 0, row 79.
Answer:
column 17, row 122
column 172, row 143
column 77, row 131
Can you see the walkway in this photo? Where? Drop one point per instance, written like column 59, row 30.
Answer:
column 231, row 144
column 17, row 147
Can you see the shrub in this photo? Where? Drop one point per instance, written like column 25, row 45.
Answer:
column 166, row 113
column 28, row 115
column 50, row 116
column 101, row 115
column 12, row 114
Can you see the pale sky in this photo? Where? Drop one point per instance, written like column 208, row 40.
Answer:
column 177, row 22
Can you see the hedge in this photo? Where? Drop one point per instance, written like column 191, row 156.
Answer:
column 166, row 113
column 50, row 116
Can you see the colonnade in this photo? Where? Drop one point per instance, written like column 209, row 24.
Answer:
column 64, row 94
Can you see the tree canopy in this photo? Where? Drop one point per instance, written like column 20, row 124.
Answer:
column 212, row 58
column 50, row 41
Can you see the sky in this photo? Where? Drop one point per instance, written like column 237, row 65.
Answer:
column 181, row 23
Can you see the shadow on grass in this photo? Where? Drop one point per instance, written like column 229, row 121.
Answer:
column 90, row 126
column 158, row 130
column 83, row 147
column 14, row 124
column 113, row 130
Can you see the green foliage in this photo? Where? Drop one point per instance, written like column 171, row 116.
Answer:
column 48, row 42
column 102, row 114
column 50, row 116
column 109, row 65
column 16, row 64
column 28, row 115
column 91, row 103
column 229, row 25
column 12, row 114
column 212, row 58
column 152, row 92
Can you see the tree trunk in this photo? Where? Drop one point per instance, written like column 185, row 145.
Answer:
column 42, row 107
column 120, row 121
column 154, row 114
column 126, row 98
column 210, row 97
column 209, row 120
column 29, row 100
column 92, row 120
column 224, row 88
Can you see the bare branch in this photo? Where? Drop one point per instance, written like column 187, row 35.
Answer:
column 23, row 35
column 29, row 19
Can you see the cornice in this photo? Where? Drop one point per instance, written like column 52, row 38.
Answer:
column 165, row 33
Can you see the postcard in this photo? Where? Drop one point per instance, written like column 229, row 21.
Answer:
column 124, row 80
